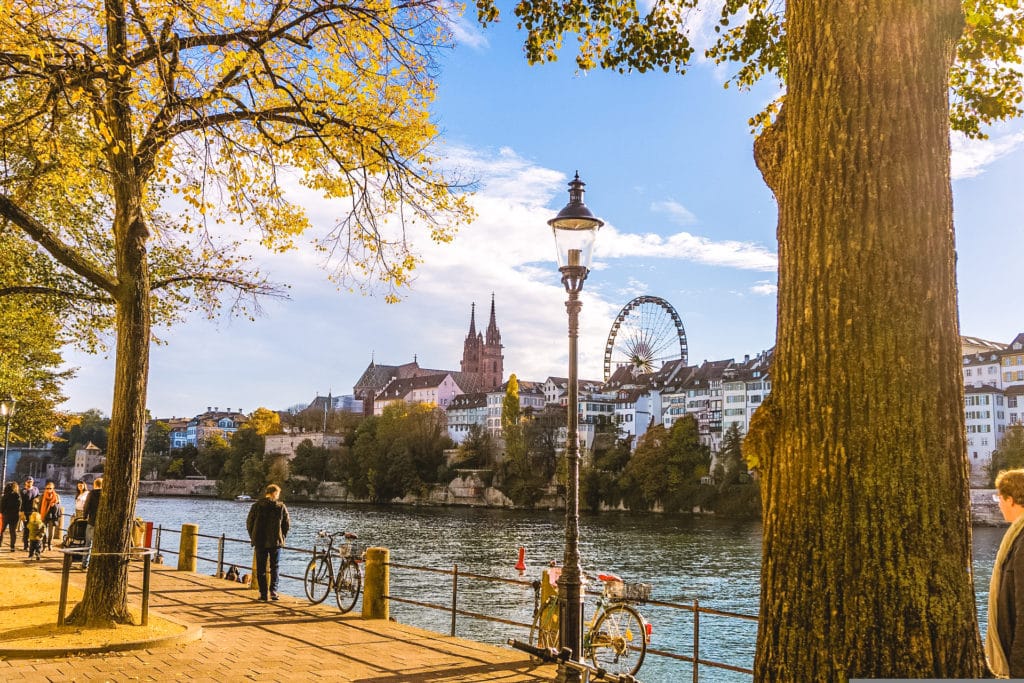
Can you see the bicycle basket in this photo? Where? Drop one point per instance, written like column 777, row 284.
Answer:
column 620, row 590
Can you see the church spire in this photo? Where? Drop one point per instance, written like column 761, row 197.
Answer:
column 493, row 336
column 472, row 321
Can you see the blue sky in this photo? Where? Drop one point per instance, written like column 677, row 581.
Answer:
column 668, row 165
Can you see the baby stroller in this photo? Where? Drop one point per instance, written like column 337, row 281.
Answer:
column 75, row 538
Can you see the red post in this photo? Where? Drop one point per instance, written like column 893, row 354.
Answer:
column 521, row 564
column 149, row 535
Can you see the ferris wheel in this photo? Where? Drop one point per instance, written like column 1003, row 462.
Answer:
column 646, row 334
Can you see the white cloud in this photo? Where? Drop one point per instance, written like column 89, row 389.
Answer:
column 322, row 339
column 676, row 212
column 970, row 157
column 687, row 247
column 467, row 32
column 765, row 288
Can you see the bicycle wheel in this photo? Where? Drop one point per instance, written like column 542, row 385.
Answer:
column 618, row 642
column 544, row 630
column 317, row 581
column 346, row 588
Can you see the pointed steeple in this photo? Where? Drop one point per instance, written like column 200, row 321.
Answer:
column 493, row 336
column 472, row 321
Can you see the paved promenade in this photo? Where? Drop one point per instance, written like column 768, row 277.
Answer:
column 289, row 640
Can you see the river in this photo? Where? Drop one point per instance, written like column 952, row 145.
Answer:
column 684, row 558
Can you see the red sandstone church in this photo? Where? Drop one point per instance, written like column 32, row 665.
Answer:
column 482, row 370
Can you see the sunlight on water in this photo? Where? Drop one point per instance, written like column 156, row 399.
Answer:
column 716, row 562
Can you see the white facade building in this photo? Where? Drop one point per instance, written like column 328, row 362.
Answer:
column 465, row 411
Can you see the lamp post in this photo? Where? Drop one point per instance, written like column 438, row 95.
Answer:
column 575, row 229
column 6, row 410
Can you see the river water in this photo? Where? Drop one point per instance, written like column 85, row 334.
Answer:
column 716, row 562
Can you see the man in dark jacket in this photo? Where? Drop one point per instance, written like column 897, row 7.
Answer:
column 268, row 524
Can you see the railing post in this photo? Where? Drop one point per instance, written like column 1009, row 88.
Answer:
column 189, row 548
column 65, row 574
column 376, row 584
column 159, row 533
column 455, row 595
column 696, row 641
column 147, row 563
column 220, row 557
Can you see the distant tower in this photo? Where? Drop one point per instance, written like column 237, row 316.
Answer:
column 482, row 361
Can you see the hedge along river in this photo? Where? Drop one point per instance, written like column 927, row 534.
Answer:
column 714, row 561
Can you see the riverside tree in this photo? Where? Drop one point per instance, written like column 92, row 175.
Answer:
column 863, row 567
column 212, row 110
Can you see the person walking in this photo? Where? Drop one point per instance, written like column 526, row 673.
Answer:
column 92, row 506
column 1004, row 642
column 81, row 494
column 10, row 508
column 268, row 525
column 52, row 513
column 28, row 506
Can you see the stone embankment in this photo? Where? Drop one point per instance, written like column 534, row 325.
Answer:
column 470, row 490
column 984, row 510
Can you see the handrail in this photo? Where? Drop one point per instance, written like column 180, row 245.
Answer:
column 134, row 553
column 695, row 608
column 456, row 610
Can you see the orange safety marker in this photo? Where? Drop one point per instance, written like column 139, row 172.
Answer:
column 521, row 564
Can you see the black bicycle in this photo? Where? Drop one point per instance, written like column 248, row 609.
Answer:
column 321, row 578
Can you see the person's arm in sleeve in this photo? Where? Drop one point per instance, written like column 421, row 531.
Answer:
column 286, row 522
column 1015, row 657
column 250, row 521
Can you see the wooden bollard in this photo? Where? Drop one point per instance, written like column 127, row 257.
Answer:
column 189, row 548
column 376, row 584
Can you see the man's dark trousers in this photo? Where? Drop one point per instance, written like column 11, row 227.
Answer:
column 262, row 556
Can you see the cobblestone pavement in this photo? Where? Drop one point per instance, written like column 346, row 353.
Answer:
column 289, row 640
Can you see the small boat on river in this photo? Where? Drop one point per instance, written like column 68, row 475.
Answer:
column 243, row 498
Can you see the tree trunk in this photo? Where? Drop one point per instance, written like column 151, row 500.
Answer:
column 867, row 539
column 106, row 589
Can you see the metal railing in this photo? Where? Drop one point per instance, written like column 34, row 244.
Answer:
column 220, row 560
column 146, row 554
column 452, row 606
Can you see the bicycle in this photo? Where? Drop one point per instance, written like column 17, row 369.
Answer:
column 321, row 578
column 616, row 635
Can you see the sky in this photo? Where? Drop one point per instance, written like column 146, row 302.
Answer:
column 668, row 165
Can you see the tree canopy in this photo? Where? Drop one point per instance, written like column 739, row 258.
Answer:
column 137, row 138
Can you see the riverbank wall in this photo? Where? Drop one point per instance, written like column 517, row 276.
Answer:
column 470, row 490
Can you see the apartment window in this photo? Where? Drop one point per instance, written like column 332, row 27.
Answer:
column 967, row 372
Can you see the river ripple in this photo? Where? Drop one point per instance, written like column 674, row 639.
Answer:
column 684, row 558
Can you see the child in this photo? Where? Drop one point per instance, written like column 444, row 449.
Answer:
column 36, row 533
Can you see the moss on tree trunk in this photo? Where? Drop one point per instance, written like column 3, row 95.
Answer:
column 867, row 546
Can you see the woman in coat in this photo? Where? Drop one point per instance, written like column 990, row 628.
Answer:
column 10, row 508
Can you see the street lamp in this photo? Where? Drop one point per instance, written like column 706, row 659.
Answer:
column 575, row 229
column 6, row 410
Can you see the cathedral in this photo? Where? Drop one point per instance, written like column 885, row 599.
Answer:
column 482, row 367
column 482, row 361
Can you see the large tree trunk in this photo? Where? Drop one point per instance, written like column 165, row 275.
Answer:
column 106, row 589
column 867, row 541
